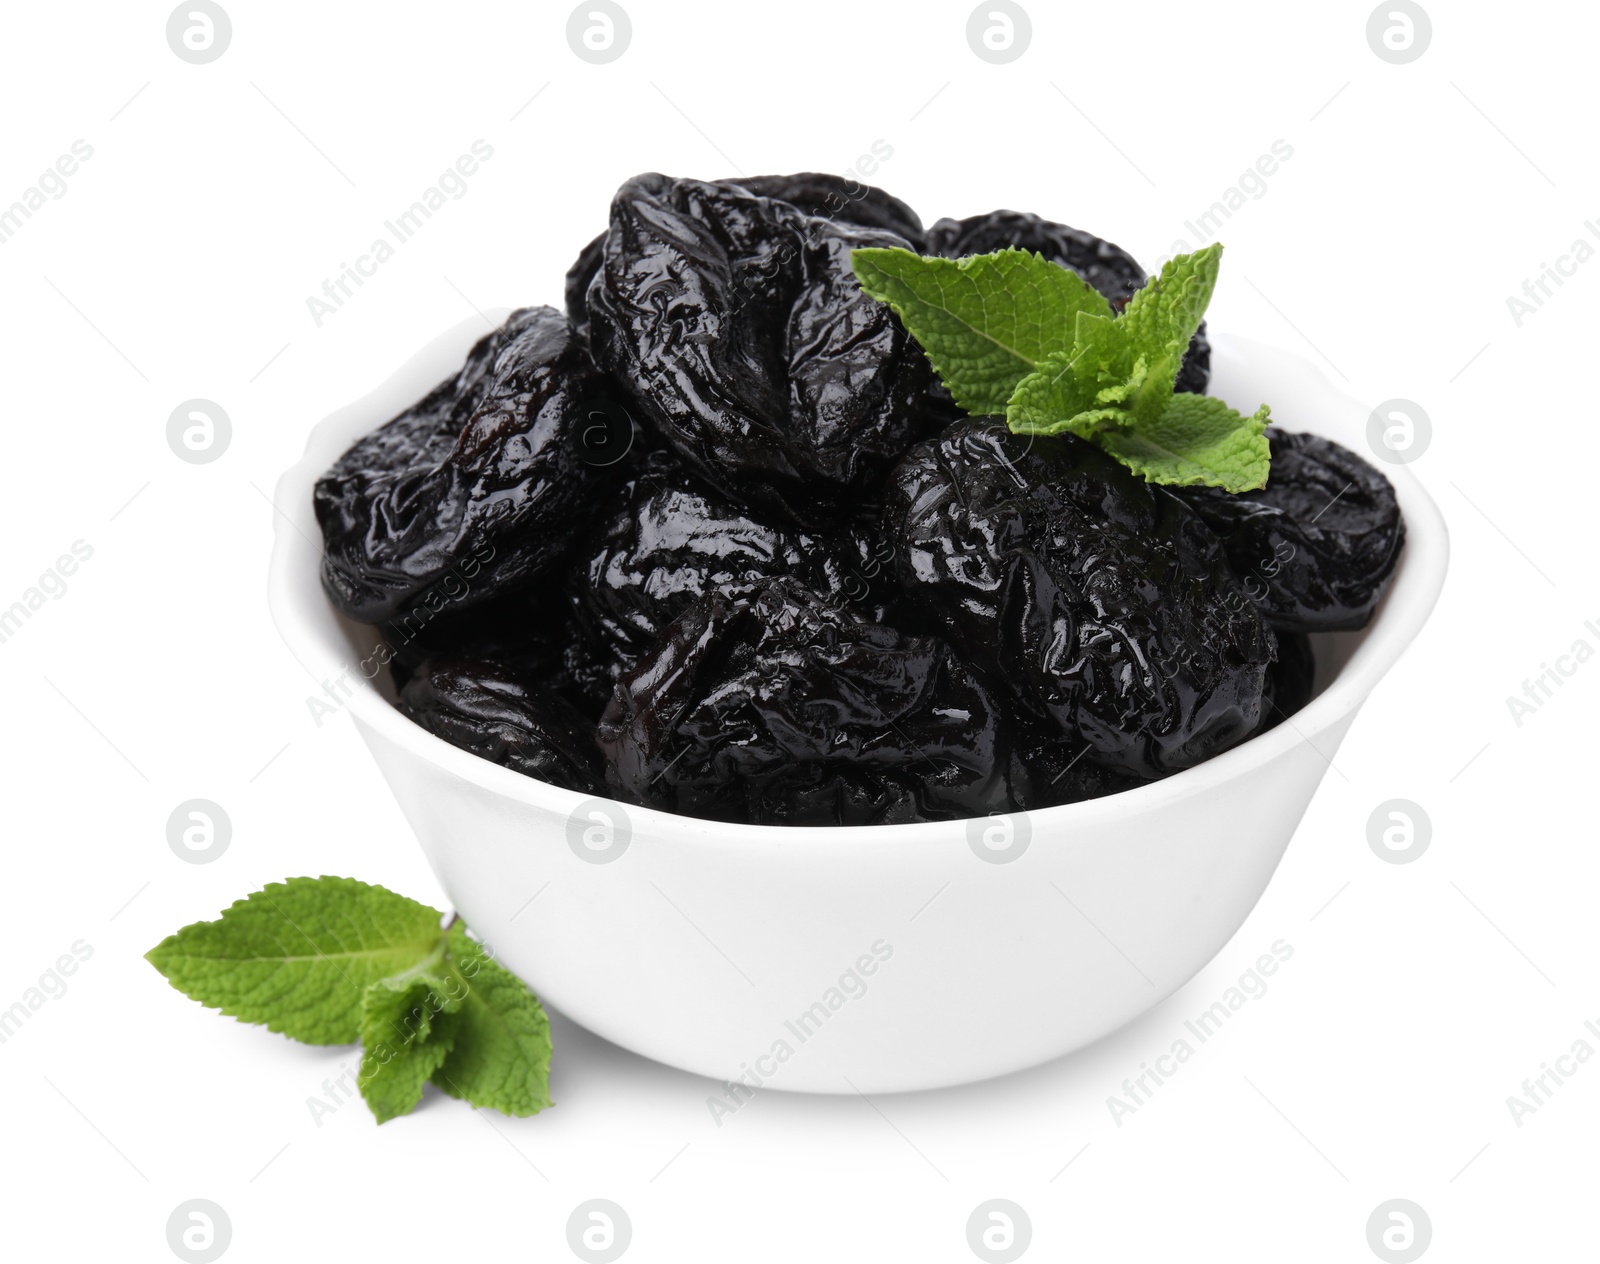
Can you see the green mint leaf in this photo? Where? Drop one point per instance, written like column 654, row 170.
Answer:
column 986, row 322
column 1165, row 313
column 1098, row 383
column 1065, row 394
column 1161, row 319
column 406, row 1033
column 501, row 1054
column 1114, row 387
column 1197, row 440
column 1011, row 332
column 299, row 955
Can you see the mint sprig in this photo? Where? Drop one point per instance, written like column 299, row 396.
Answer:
column 986, row 321
column 1013, row 333
column 332, row 960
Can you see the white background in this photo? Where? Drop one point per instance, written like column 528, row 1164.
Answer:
column 178, row 264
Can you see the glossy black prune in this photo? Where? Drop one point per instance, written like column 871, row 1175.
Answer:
column 839, row 198
column 674, row 540
column 494, row 712
column 696, row 547
column 1317, row 546
column 1103, row 264
column 478, row 488
column 1194, row 374
column 1059, row 771
column 576, row 291
column 736, row 323
column 1290, row 679
column 1104, row 603
column 522, row 630
column 811, row 192
column 784, row 709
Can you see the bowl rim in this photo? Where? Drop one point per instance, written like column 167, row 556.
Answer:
column 1400, row 617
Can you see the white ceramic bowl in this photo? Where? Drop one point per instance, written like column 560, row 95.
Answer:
column 879, row 959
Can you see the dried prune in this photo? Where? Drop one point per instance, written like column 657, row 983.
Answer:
column 671, row 541
column 482, row 485
column 814, row 193
column 717, row 541
column 839, row 198
column 1290, row 679
column 520, row 629
column 1103, row 264
column 1194, row 374
column 1317, row 546
column 785, row 709
column 493, row 711
column 1102, row 600
column 674, row 540
column 736, row 323
column 576, row 291
column 858, row 564
column 524, row 631
column 1060, row 772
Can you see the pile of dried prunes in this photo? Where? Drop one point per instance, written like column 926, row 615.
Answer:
column 715, row 540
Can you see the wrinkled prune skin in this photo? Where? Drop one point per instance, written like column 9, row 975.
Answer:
column 675, row 540
column 1290, row 680
column 524, row 631
column 1103, row 602
column 495, row 713
column 858, row 564
column 521, row 630
column 576, row 291
column 478, row 488
column 1103, row 264
column 1060, row 771
column 811, row 192
column 736, row 323
column 1317, row 546
column 841, row 199
column 784, row 709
